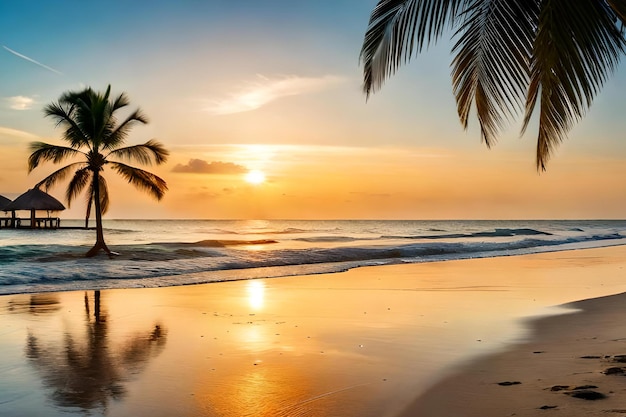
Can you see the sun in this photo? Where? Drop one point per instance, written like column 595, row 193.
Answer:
column 255, row 177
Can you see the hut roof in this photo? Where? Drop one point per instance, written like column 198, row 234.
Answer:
column 4, row 202
column 35, row 199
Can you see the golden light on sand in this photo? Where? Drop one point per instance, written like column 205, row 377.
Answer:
column 255, row 177
column 256, row 294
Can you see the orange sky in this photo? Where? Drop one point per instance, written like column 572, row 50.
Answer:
column 292, row 107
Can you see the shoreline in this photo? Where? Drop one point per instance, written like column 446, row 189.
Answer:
column 574, row 364
column 365, row 342
column 226, row 275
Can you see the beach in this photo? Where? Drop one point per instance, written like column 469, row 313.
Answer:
column 396, row 340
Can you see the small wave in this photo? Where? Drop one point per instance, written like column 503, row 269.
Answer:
column 329, row 239
column 495, row 233
column 41, row 267
column 225, row 243
column 219, row 231
column 291, row 230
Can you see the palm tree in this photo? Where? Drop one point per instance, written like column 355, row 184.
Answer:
column 95, row 136
column 509, row 55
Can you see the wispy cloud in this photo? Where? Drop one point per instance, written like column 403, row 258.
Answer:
column 7, row 131
column 20, row 102
column 32, row 60
column 265, row 90
column 199, row 166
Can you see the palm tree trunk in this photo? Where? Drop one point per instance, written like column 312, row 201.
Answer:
column 88, row 213
column 99, row 232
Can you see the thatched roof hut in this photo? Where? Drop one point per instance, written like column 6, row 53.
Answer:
column 33, row 200
column 4, row 202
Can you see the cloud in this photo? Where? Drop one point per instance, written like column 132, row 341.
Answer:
column 7, row 131
column 20, row 102
column 32, row 60
column 198, row 166
column 265, row 90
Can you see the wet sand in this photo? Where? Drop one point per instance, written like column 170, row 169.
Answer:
column 575, row 365
column 411, row 340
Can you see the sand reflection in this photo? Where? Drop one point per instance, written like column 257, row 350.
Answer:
column 35, row 304
column 86, row 370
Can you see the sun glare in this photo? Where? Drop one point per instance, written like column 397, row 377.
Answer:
column 255, row 177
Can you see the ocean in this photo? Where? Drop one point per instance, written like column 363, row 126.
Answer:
column 156, row 253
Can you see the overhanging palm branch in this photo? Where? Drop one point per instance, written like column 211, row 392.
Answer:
column 397, row 29
column 509, row 54
column 490, row 65
column 572, row 58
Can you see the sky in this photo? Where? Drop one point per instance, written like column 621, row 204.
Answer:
column 275, row 86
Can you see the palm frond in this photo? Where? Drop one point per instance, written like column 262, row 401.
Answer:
column 118, row 134
column 145, row 154
column 120, row 101
column 63, row 114
column 103, row 190
column 491, row 66
column 58, row 175
column 397, row 29
column 77, row 184
column 92, row 113
column 619, row 7
column 576, row 47
column 43, row 152
column 144, row 180
column 89, row 203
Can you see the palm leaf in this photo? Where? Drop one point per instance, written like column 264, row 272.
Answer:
column 145, row 154
column 120, row 101
column 92, row 113
column 103, row 191
column 619, row 7
column 144, row 180
column 577, row 45
column 104, row 194
column 397, row 29
column 491, row 66
column 58, row 175
column 77, row 184
column 63, row 115
column 43, row 152
column 118, row 135
column 89, row 202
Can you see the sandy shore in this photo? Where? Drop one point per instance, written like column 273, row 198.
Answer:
column 575, row 365
column 412, row 340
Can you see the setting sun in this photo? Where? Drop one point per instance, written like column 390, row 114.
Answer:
column 255, row 177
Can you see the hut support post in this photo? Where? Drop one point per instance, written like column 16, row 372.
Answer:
column 32, row 219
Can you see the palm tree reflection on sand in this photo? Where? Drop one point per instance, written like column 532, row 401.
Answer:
column 87, row 372
column 36, row 304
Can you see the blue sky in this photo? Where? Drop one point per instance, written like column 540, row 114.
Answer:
column 276, row 86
